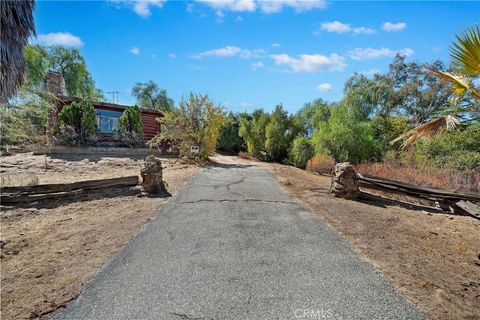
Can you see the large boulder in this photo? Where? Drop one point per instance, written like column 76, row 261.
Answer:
column 344, row 181
column 152, row 177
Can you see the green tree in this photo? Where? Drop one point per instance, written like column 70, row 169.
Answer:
column 196, row 122
column 150, row 96
column 252, row 129
column 130, row 126
column 278, row 134
column 76, row 124
column 69, row 62
column 312, row 114
column 230, row 140
column 300, row 152
column 347, row 137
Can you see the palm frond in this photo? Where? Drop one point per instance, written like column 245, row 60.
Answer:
column 16, row 25
column 429, row 129
column 460, row 82
column 465, row 52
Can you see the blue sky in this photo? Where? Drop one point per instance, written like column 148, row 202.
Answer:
column 248, row 53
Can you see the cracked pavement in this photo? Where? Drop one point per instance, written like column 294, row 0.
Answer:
column 231, row 244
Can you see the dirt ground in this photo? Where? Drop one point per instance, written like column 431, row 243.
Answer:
column 51, row 253
column 432, row 258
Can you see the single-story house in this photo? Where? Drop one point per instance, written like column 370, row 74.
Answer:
column 107, row 113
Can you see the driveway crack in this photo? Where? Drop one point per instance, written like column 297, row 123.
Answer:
column 237, row 200
column 186, row 316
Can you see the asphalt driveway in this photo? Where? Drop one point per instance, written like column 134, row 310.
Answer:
column 233, row 245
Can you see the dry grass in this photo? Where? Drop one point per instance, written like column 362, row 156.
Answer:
column 245, row 155
column 321, row 164
column 10, row 180
column 432, row 259
column 450, row 179
column 50, row 253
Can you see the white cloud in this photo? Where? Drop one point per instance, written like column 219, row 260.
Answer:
column 231, row 51
column 276, row 45
column 172, row 55
column 363, row 30
column 142, row 7
column 371, row 53
column 238, row 19
column 276, row 6
column 257, row 65
column 311, row 62
column 230, row 5
column 135, row 50
column 339, row 27
column 392, row 27
column 324, row 87
column 335, row 26
column 65, row 39
column 266, row 6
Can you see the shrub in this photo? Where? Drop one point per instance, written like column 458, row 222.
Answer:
column 451, row 149
column 346, row 137
column 278, row 135
column 300, row 152
column 76, row 124
column 130, row 127
column 22, row 124
column 252, row 130
column 197, row 122
column 320, row 163
column 451, row 179
column 229, row 140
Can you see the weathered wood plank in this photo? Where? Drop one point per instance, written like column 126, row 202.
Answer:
column 424, row 192
column 29, row 198
column 66, row 187
column 470, row 208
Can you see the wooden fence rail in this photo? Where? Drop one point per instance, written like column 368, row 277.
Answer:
column 11, row 195
column 462, row 201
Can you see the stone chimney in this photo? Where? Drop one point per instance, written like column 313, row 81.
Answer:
column 55, row 83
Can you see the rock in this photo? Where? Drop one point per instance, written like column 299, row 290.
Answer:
column 344, row 181
column 152, row 177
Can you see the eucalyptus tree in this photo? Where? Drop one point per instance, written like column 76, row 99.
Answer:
column 150, row 96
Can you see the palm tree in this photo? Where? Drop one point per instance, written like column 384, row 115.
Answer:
column 16, row 25
column 465, row 54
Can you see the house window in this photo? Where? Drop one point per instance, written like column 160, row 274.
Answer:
column 107, row 121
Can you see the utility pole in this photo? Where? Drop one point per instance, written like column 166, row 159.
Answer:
column 113, row 93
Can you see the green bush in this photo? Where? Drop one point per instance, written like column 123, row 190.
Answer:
column 252, row 130
column 76, row 124
column 196, row 122
column 300, row 151
column 346, row 137
column 24, row 124
column 278, row 135
column 451, row 149
column 130, row 127
column 229, row 140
